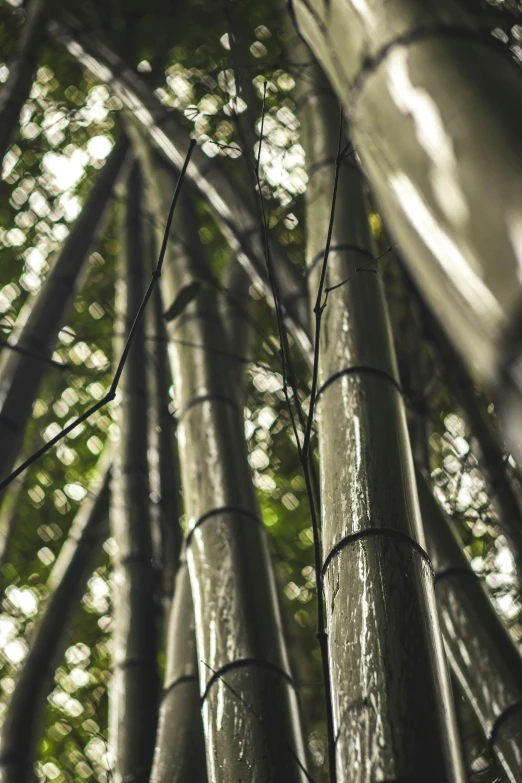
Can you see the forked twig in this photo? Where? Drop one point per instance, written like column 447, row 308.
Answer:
column 111, row 394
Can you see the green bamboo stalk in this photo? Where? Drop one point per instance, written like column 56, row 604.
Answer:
column 39, row 324
column 179, row 755
column 250, row 709
column 22, row 65
column 239, row 331
column 232, row 208
column 392, row 708
column 22, row 722
column 164, row 472
column 435, row 116
column 479, row 647
column 163, row 456
column 180, row 745
column 134, row 688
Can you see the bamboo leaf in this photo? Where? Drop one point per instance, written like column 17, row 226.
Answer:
column 187, row 295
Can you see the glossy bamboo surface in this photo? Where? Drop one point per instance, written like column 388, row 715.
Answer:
column 436, row 117
column 479, row 647
column 180, row 747
column 240, row 645
column 36, row 331
column 134, row 687
column 393, row 716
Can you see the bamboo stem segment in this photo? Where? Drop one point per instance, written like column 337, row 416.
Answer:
column 435, row 116
column 393, row 715
column 134, row 687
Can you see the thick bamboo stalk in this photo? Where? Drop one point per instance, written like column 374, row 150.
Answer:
column 435, row 112
column 22, row 65
column 481, row 652
column 134, row 688
column 22, row 722
column 250, row 709
column 180, row 746
column 38, row 327
column 392, row 708
column 233, row 209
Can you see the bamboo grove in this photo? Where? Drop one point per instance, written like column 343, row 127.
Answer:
column 260, row 396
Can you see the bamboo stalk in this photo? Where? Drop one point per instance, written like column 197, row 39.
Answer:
column 392, row 708
column 485, row 663
column 479, row 647
column 239, row 332
column 134, row 688
column 250, row 708
column 179, row 755
column 164, row 467
column 38, row 326
column 180, row 745
column 22, row 65
column 22, row 722
column 435, row 116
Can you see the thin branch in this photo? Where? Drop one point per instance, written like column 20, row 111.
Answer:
column 261, row 130
column 35, row 355
column 319, row 305
column 121, row 364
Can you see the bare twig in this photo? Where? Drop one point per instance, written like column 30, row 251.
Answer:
column 121, row 364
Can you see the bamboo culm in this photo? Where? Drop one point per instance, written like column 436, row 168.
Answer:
column 250, row 708
column 134, row 689
column 482, row 654
column 38, row 325
column 22, row 721
column 163, row 455
column 239, row 332
column 392, row 707
column 435, row 112
column 180, row 746
column 22, row 65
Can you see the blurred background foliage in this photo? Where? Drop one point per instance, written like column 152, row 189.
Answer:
column 208, row 62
